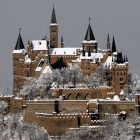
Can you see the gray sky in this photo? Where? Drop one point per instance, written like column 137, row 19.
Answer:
column 117, row 17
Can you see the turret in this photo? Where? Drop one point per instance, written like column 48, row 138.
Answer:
column 89, row 40
column 62, row 43
column 108, row 42
column 113, row 45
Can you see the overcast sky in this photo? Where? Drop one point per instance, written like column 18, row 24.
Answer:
column 117, row 17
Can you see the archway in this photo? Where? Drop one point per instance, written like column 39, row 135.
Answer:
column 70, row 97
column 78, row 97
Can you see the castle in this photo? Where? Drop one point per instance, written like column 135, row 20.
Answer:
column 44, row 55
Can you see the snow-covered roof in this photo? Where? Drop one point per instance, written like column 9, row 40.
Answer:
column 109, row 61
column 62, row 51
column 27, row 60
column 122, row 92
column 53, row 24
column 40, row 65
column 91, row 41
column 92, row 57
column 116, row 98
column 39, row 45
column 115, row 53
column 19, row 51
column 47, row 69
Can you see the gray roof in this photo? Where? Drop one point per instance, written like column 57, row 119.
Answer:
column 89, row 35
column 53, row 20
column 19, row 44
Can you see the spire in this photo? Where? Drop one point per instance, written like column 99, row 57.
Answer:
column 61, row 38
column 53, row 20
column 19, row 44
column 113, row 45
column 108, row 40
column 89, row 53
column 126, row 59
column 89, row 35
column 83, row 51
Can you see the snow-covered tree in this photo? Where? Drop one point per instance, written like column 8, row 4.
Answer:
column 57, row 77
column 75, row 75
column 133, row 86
column 30, row 88
column 16, row 130
column 3, row 111
column 103, row 75
column 44, row 82
column 64, row 73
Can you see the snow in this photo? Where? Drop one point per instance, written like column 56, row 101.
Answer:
column 38, row 68
column 53, row 24
column 92, row 57
column 39, row 45
column 20, row 51
column 47, row 69
column 62, row 51
column 109, row 61
column 122, row 112
column 111, row 93
column 91, row 41
column 28, row 60
column 116, row 98
column 122, row 92
column 115, row 53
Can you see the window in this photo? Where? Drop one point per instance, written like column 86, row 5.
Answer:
column 121, row 87
column 27, row 73
column 124, row 73
column 121, row 79
column 39, row 43
column 53, row 39
column 121, row 73
column 117, row 73
column 27, row 66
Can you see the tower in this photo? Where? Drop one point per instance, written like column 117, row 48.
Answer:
column 89, row 41
column 18, row 65
column 53, row 31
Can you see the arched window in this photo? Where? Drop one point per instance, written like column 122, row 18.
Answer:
column 70, row 97
column 117, row 73
column 78, row 97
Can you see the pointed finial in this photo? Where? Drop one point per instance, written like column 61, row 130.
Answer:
column 61, row 38
column 124, row 58
column 45, row 36
column 108, row 40
column 89, row 19
column 19, row 30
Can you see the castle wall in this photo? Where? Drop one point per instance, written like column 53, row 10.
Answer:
column 115, row 107
column 83, row 93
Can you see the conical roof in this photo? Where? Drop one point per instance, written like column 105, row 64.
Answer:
column 19, row 44
column 89, row 35
column 113, row 45
column 53, row 20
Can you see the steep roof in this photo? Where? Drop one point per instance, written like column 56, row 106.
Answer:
column 113, row 45
column 53, row 20
column 89, row 35
column 120, row 58
column 19, row 44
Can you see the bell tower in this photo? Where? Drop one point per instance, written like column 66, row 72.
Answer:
column 53, row 31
